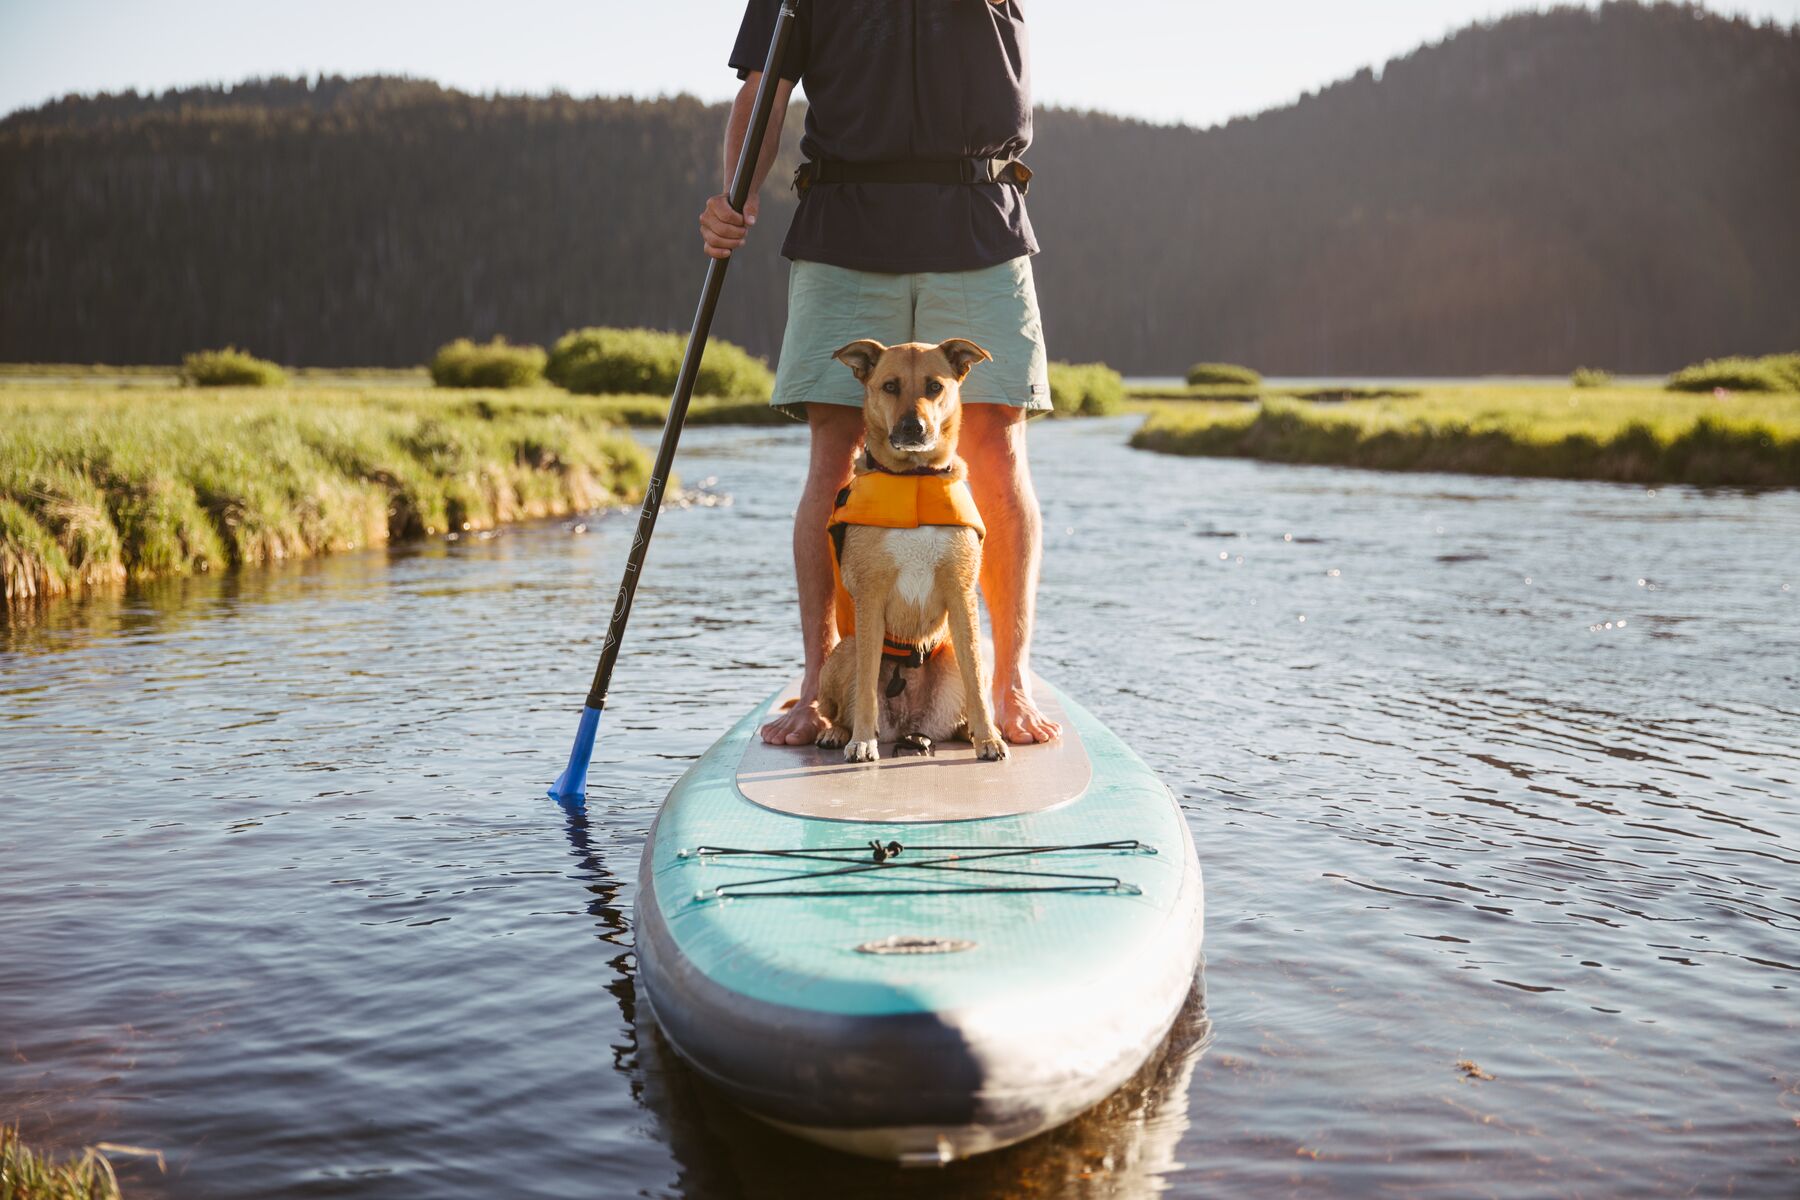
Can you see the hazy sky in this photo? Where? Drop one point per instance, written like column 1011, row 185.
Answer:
column 1198, row 61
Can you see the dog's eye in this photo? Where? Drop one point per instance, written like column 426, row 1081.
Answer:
column 891, row 387
column 934, row 388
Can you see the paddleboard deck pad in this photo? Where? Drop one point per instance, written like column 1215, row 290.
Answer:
column 925, row 957
column 949, row 785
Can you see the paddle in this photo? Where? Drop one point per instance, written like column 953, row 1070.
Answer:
column 571, row 785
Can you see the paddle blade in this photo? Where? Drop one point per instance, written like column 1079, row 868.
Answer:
column 571, row 785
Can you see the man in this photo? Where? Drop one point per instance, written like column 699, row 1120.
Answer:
column 912, row 227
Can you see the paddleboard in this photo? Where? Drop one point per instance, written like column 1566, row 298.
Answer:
column 925, row 957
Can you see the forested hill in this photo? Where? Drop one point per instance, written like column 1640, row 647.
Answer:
column 1614, row 188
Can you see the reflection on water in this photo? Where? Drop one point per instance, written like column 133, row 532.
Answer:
column 1481, row 771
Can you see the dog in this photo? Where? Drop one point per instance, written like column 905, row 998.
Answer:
column 912, row 672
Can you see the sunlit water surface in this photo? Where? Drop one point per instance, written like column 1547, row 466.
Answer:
column 1482, row 772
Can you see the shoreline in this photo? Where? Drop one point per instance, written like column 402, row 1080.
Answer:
column 1614, row 435
column 102, row 485
column 100, row 488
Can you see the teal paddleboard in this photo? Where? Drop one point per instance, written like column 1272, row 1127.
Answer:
column 921, row 958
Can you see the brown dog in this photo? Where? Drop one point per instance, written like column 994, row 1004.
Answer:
column 912, row 588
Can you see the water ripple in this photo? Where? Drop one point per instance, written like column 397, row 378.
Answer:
column 1501, row 900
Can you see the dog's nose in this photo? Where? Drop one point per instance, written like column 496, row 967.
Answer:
column 907, row 431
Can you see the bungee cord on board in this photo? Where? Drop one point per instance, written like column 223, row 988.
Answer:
column 884, row 857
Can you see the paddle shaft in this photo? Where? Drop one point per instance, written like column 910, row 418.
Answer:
column 741, row 181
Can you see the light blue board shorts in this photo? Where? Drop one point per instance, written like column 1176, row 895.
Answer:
column 994, row 307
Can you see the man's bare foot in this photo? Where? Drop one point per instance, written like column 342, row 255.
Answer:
column 1020, row 722
column 800, row 725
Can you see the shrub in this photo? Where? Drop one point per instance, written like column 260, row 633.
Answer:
column 1085, row 389
column 463, row 364
column 1773, row 373
column 229, row 367
column 1210, row 373
column 598, row 362
column 1590, row 377
column 1787, row 367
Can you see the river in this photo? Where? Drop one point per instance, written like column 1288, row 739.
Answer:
column 1486, row 772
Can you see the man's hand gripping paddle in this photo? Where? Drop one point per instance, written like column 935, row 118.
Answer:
column 571, row 786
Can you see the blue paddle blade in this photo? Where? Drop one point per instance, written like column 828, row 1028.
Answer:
column 571, row 785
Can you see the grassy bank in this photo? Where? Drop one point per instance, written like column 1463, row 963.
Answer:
column 99, row 485
column 1623, row 434
column 27, row 1175
column 1242, row 394
column 647, row 412
column 158, row 378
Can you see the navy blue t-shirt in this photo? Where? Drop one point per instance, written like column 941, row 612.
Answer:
column 893, row 80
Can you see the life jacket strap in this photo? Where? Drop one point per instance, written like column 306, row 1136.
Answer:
column 911, row 654
column 907, row 656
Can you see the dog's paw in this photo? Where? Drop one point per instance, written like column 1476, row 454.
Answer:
column 867, row 751
column 833, row 736
column 990, row 749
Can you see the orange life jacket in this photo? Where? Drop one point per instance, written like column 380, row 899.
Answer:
column 890, row 501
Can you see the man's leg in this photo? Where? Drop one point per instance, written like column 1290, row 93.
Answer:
column 993, row 444
column 837, row 431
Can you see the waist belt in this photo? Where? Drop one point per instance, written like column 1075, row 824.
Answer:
column 954, row 170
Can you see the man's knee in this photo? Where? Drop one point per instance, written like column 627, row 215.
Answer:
column 988, row 419
column 993, row 435
column 993, row 444
column 836, row 434
column 835, row 424
column 837, row 431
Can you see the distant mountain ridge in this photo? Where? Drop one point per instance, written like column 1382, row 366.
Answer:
column 1612, row 187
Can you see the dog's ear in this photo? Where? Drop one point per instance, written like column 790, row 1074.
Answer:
column 861, row 356
column 963, row 355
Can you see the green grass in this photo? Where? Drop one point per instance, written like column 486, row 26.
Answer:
column 80, row 370
column 100, row 485
column 648, row 412
column 63, row 375
column 27, row 1175
column 1236, row 393
column 1625, row 434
